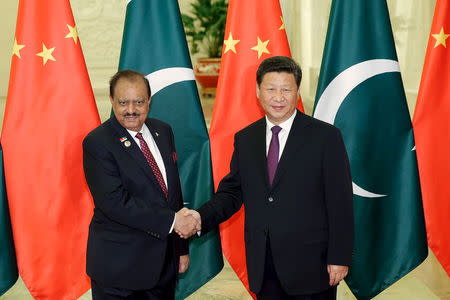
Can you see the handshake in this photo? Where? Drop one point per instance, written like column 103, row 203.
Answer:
column 187, row 222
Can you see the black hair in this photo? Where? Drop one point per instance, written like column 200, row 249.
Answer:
column 279, row 64
column 130, row 75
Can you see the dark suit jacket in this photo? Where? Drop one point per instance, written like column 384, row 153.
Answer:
column 129, row 231
column 307, row 213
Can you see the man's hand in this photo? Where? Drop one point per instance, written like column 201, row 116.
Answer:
column 185, row 224
column 337, row 273
column 184, row 263
column 195, row 215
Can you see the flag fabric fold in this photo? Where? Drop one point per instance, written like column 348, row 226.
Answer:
column 8, row 265
column 254, row 31
column 50, row 107
column 432, row 134
column 154, row 44
column 361, row 92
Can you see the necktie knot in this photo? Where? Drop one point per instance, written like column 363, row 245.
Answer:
column 276, row 130
column 139, row 136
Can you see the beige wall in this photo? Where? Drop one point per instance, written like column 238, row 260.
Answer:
column 8, row 11
column 100, row 26
column 306, row 26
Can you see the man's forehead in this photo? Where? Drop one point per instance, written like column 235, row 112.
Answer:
column 133, row 84
column 278, row 75
column 277, row 82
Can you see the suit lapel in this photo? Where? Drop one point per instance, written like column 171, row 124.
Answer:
column 133, row 150
column 258, row 145
column 293, row 143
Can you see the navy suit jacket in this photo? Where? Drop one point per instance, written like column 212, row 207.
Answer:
column 129, row 231
column 307, row 212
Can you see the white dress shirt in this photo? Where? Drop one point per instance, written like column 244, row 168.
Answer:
column 148, row 138
column 282, row 135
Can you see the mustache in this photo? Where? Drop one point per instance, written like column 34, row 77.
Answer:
column 131, row 115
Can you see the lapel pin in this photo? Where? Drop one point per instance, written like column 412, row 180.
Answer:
column 123, row 139
column 127, row 143
column 157, row 134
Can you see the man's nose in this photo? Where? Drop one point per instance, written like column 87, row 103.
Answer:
column 279, row 95
column 130, row 107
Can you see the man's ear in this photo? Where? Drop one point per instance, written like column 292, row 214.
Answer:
column 257, row 90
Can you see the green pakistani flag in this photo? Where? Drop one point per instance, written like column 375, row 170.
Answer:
column 154, row 43
column 360, row 91
column 8, row 266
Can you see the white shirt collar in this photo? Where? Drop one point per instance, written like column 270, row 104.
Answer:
column 286, row 125
column 144, row 130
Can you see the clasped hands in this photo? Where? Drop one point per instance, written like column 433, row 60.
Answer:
column 187, row 223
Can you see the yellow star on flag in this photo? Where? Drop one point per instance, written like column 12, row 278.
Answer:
column 282, row 27
column 440, row 38
column 16, row 48
column 73, row 33
column 46, row 54
column 230, row 44
column 261, row 47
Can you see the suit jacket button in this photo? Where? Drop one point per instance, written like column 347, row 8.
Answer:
column 270, row 199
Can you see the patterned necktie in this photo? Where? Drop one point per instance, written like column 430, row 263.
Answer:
column 274, row 153
column 152, row 163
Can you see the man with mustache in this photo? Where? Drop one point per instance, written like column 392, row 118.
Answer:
column 131, row 169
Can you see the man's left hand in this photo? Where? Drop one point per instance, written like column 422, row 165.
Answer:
column 184, row 263
column 337, row 273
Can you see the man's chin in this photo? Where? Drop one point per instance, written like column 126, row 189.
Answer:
column 133, row 126
column 277, row 115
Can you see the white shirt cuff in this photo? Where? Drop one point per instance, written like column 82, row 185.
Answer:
column 173, row 223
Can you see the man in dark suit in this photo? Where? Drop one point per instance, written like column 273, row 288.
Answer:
column 292, row 174
column 130, row 167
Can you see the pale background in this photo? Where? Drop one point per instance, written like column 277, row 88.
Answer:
column 100, row 25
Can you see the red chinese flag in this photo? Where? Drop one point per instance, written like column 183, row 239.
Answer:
column 50, row 107
column 254, row 32
column 432, row 134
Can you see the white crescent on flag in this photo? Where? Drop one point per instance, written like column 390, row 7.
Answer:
column 165, row 77
column 338, row 89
